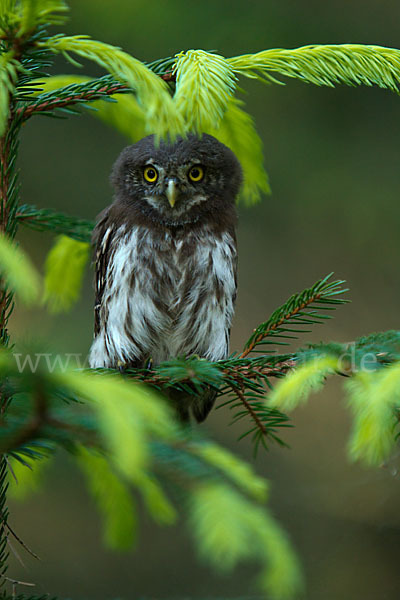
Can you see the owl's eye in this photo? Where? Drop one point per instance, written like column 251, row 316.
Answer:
column 196, row 173
column 150, row 174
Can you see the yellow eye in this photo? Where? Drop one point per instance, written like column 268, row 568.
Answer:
column 150, row 174
column 196, row 173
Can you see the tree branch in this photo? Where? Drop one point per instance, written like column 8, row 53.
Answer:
column 278, row 324
column 251, row 412
column 88, row 96
column 43, row 219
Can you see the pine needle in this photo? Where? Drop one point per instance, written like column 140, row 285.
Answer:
column 43, row 219
column 125, row 431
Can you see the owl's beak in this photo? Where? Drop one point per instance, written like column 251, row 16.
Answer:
column 171, row 192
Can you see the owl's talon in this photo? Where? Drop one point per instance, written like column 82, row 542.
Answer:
column 121, row 367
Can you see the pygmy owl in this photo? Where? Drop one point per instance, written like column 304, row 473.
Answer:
column 166, row 258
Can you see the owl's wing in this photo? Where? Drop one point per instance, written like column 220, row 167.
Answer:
column 101, row 240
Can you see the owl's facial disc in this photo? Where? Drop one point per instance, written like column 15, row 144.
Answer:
column 174, row 190
column 193, row 179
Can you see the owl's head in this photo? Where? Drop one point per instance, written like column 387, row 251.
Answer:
column 172, row 184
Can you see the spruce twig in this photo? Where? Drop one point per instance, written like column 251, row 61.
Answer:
column 69, row 95
column 43, row 219
column 298, row 311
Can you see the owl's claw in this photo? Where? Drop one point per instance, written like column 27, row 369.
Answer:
column 121, row 367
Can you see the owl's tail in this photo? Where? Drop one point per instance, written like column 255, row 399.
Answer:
column 202, row 404
column 199, row 405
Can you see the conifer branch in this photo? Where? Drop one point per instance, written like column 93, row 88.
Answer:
column 253, row 414
column 235, row 371
column 81, row 94
column 97, row 89
column 241, row 385
column 43, row 219
column 297, row 311
column 152, row 91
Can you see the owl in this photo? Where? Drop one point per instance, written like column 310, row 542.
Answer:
column 166, row 258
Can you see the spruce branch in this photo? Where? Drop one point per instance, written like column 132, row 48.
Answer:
column 231, row 372
column 297, row 311
column 43, row 219
column 94, row 89
column 100, row 88
column 247, row 382
column 241, row 385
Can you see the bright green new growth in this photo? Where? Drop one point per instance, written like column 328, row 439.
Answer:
column 25, row 480
column 113, row 499
column 205, row 83
column 236, row 130
column 8, row 77
column 155, row 500
column 126, row 431
column 65, row 265
column 38, row 12
column 27, row 15
column 240, row 472
column 18, row 271
column 374, row 399
column 297, row 386
column 229, row 529
column 162, row 117
column 352, row 64
column 229, row 523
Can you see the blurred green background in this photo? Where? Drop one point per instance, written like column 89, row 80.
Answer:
column 333, row 158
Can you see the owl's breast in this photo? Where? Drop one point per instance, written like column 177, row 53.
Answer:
column 168, row 295
column 204, row 294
